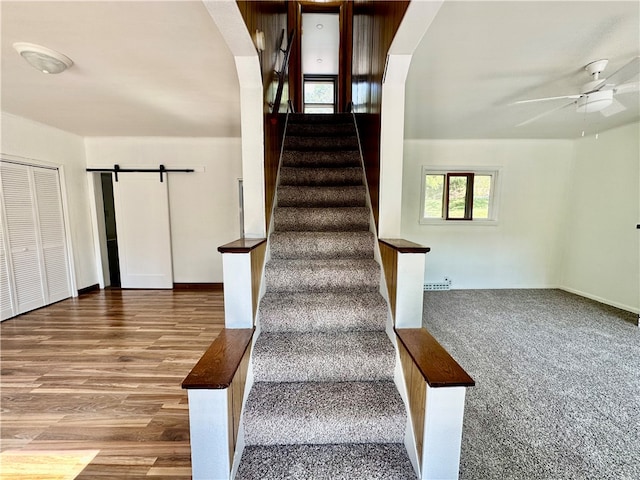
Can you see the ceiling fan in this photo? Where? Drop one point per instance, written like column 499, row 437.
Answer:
column 597, row 95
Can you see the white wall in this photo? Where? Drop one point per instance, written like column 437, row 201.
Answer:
column 203, row 205
column 601, row 258
column 524, row 249
column 31, row 140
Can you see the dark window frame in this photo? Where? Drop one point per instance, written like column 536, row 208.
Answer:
column 320, row 78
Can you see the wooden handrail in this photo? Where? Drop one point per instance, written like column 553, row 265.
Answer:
column 437, row 367
column 242, row 245
column 282, row 72
column 404, row 246
column 217, row 367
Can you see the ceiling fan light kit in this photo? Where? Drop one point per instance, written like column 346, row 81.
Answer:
column 597, row 95
column 594, row 102
column 42, row 58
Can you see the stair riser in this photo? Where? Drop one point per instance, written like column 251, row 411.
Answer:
column 321, row 220
column 328, row 177
column 327, row 462
column 321, row 130
column 326, row 279
column 321, row 196
column 293, row 413
column 308, row 143
column 349, row 158
column 321, row 118
column 322, row 313
column 323, row 357
column 321, row 245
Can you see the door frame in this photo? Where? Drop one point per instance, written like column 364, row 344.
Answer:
column 66, row 218
column 345, row 15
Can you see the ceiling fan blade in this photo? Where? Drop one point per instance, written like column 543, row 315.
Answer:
column 545, row 99
column 627, row 88
column 615, row 107
column 627, row 72
column 544, row 114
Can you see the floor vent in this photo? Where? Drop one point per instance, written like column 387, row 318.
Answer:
column 428, row 287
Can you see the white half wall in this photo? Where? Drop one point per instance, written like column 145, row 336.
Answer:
column 203, row 205
column 29, row 140
column 602, row 248
column 524, row 249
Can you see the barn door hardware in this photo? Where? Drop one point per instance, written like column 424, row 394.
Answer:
column 161, row 170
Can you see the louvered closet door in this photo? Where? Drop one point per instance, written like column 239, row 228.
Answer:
column 21, row 238
column 52, row 235
column 34, row 266
column 6, row 286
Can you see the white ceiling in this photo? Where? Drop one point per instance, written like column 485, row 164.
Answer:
column 141, row 69
column 320, row 46
column 478, row 57
column 158, row 68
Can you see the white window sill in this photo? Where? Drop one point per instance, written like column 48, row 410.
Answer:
column 467, row 223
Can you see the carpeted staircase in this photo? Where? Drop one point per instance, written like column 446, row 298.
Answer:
column 324, row 404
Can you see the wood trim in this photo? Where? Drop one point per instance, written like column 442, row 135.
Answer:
column 404, row 246
column 235, row 395
column 217, row 368
column 436, row 366
column 257, row 263
column 344, row 10
column 89, row 289
column 389, row 258
column 242, row 245
column 417, row 392
column 211, row 287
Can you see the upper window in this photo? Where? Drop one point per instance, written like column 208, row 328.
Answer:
column 319, row 93
column 458, row 195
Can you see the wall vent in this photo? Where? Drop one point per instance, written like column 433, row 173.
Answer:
column 436, row 286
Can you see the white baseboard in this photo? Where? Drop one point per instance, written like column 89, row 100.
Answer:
column 602, row 300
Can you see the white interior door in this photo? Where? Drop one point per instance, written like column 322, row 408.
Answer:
column 144, row 240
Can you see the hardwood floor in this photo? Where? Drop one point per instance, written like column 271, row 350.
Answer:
column 103, row 372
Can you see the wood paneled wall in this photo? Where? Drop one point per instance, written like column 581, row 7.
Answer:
column 417, row 392
column 345, row 11
column 389, row 257
column 270, row 17
column 273, row 134
column 235, row 394
column 375, row 23
column 257, row 263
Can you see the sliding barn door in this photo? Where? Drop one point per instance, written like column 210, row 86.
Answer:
column 144, row 241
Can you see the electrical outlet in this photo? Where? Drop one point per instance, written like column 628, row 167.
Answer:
column 447, row 280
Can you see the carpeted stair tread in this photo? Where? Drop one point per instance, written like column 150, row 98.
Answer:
column 324, row 404
column 321, row 176
column 341, row 275
column 314, row 245
column 329, row 143
column 322, row 312
column 324, row 412
column 333, row 219
column 370, row 461
column 301, row 196
column 320, row 118
column 323, row 357
column 347, row 158
column 321, row 129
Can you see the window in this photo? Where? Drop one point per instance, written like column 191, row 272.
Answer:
column 460, row 194
column 319, row 94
